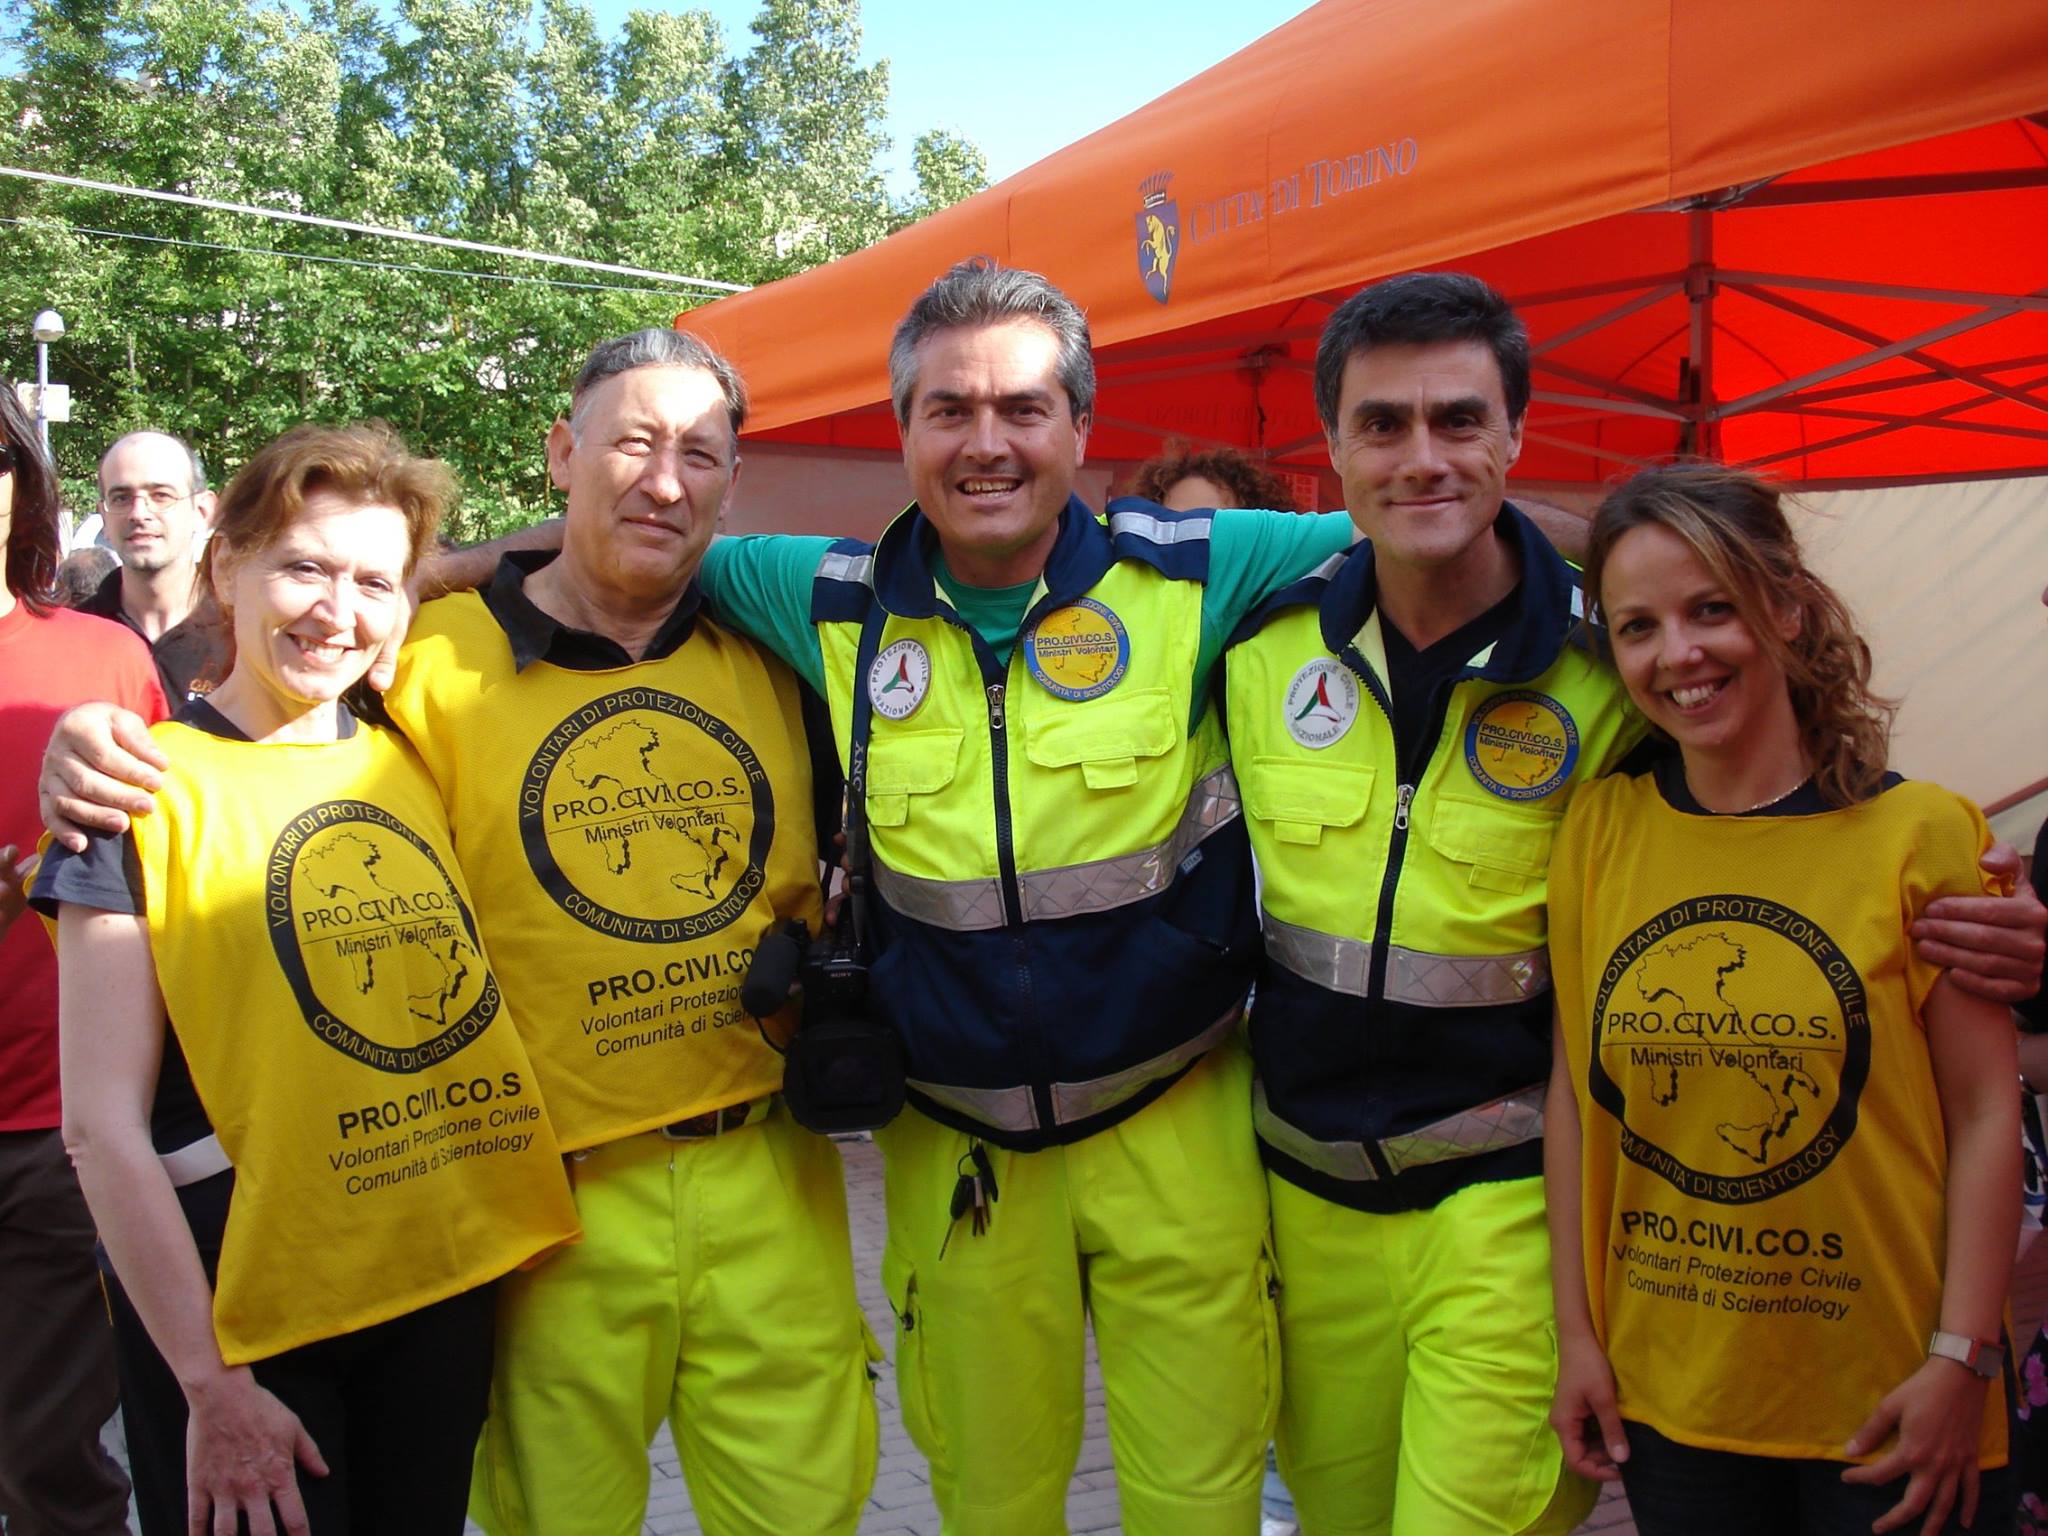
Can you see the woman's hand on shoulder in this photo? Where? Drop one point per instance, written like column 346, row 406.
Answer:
column 1585, row 1400
column 242, row 1451
column 1937, row 1412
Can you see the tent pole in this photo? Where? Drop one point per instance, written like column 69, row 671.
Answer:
column 1702, row 436
column 1998, row 309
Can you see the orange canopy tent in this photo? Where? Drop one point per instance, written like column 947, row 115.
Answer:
column 1805, row 235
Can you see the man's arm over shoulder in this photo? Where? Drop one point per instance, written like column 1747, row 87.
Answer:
column 462, row 568
column 760, row 585
column 1254, row 554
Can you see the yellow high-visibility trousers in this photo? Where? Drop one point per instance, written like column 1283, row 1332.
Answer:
column 714, row 1288
column 1421, row 1356
column 1155, row 1229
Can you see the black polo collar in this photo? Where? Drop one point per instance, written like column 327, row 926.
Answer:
column 908, row 552
column 1545, row 602
column 536, row 635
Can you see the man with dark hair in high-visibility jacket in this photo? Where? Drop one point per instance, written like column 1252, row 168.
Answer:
column 1408, row 724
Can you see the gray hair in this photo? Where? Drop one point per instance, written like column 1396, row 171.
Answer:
column 656, row 347
column 978, row 292
column 191, row 454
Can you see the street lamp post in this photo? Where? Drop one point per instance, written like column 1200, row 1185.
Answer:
column 48, row 326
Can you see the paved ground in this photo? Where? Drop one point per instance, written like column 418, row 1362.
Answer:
column 902, row 1504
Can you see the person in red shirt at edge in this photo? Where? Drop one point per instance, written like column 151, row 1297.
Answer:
column 57, row 1382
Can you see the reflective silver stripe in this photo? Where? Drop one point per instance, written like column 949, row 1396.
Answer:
column 1103, row 884
column 1508, row 1121
column 1329, row 567
column 1334, row 964
column 963, row 906
column 1413, row 975
column 1002, row 1109
column 859, row 569
column 1077, row 1101
column 1464, row 981
column 1158, row 530
column 973, row 906
column 194, row 1161
column 1339, row 1159
column 1012, row 1109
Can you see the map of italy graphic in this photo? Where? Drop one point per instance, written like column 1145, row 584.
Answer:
column 1697, row 974
column 345, row 868
column 621, row 762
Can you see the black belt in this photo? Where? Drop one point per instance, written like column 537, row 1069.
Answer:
column 715, row 1122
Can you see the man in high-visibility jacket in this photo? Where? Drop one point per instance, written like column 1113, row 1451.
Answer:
column 1065, row 925
column 1408, row 725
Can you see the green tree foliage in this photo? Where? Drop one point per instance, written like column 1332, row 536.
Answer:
column 513, row 122
column 948, row 168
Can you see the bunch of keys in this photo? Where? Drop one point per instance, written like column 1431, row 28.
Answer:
column 975, row 1191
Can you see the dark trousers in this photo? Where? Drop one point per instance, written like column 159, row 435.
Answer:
column 56, row 1352
column 1681, row 1490
column 395, row 1408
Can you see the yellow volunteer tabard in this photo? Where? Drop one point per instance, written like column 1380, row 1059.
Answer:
column 623, row 822
column 319, row 960
column 1764, row 1157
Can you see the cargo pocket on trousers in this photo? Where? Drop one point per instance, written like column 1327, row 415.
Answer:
column 913, row 1380
column 1269, row 1318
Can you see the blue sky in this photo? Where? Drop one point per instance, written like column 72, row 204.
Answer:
column 1022, row 80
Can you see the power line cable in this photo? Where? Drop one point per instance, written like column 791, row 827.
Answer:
column 353, row 261
column 253, row 211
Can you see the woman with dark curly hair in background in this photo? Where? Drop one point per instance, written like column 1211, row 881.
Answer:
column 1189, row 479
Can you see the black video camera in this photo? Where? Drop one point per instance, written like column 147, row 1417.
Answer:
column 843, row 1071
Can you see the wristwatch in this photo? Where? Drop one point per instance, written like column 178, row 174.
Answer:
column 1971, row 1354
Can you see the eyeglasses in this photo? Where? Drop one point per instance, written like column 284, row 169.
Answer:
column 8, row 459
column 158, row 498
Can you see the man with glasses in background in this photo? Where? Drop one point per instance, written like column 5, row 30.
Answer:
column 155, row 509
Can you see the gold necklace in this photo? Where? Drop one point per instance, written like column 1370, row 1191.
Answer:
column 1773, row 800
column 1748, row 810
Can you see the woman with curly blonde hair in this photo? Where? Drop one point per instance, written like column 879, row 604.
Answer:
column 1781, row 1148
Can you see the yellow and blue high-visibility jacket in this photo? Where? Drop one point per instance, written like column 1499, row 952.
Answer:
column 1063, row 918
column 1402, row 1024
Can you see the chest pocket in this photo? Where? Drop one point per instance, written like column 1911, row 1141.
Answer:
column 1505, row 844
column 1104, row 737
column 903, row 763
column 1299, row 799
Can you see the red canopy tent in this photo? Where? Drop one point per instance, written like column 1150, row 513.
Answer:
column 1806, row 235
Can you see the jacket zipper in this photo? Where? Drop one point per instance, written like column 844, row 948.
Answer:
column 1411, row 761
column 1013, row 900
column 1006, row 846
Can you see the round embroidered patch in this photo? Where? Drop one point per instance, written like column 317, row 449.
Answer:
column 1521, row 745
column 899, row 679
column 1078, row 652
column 1321, row 702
